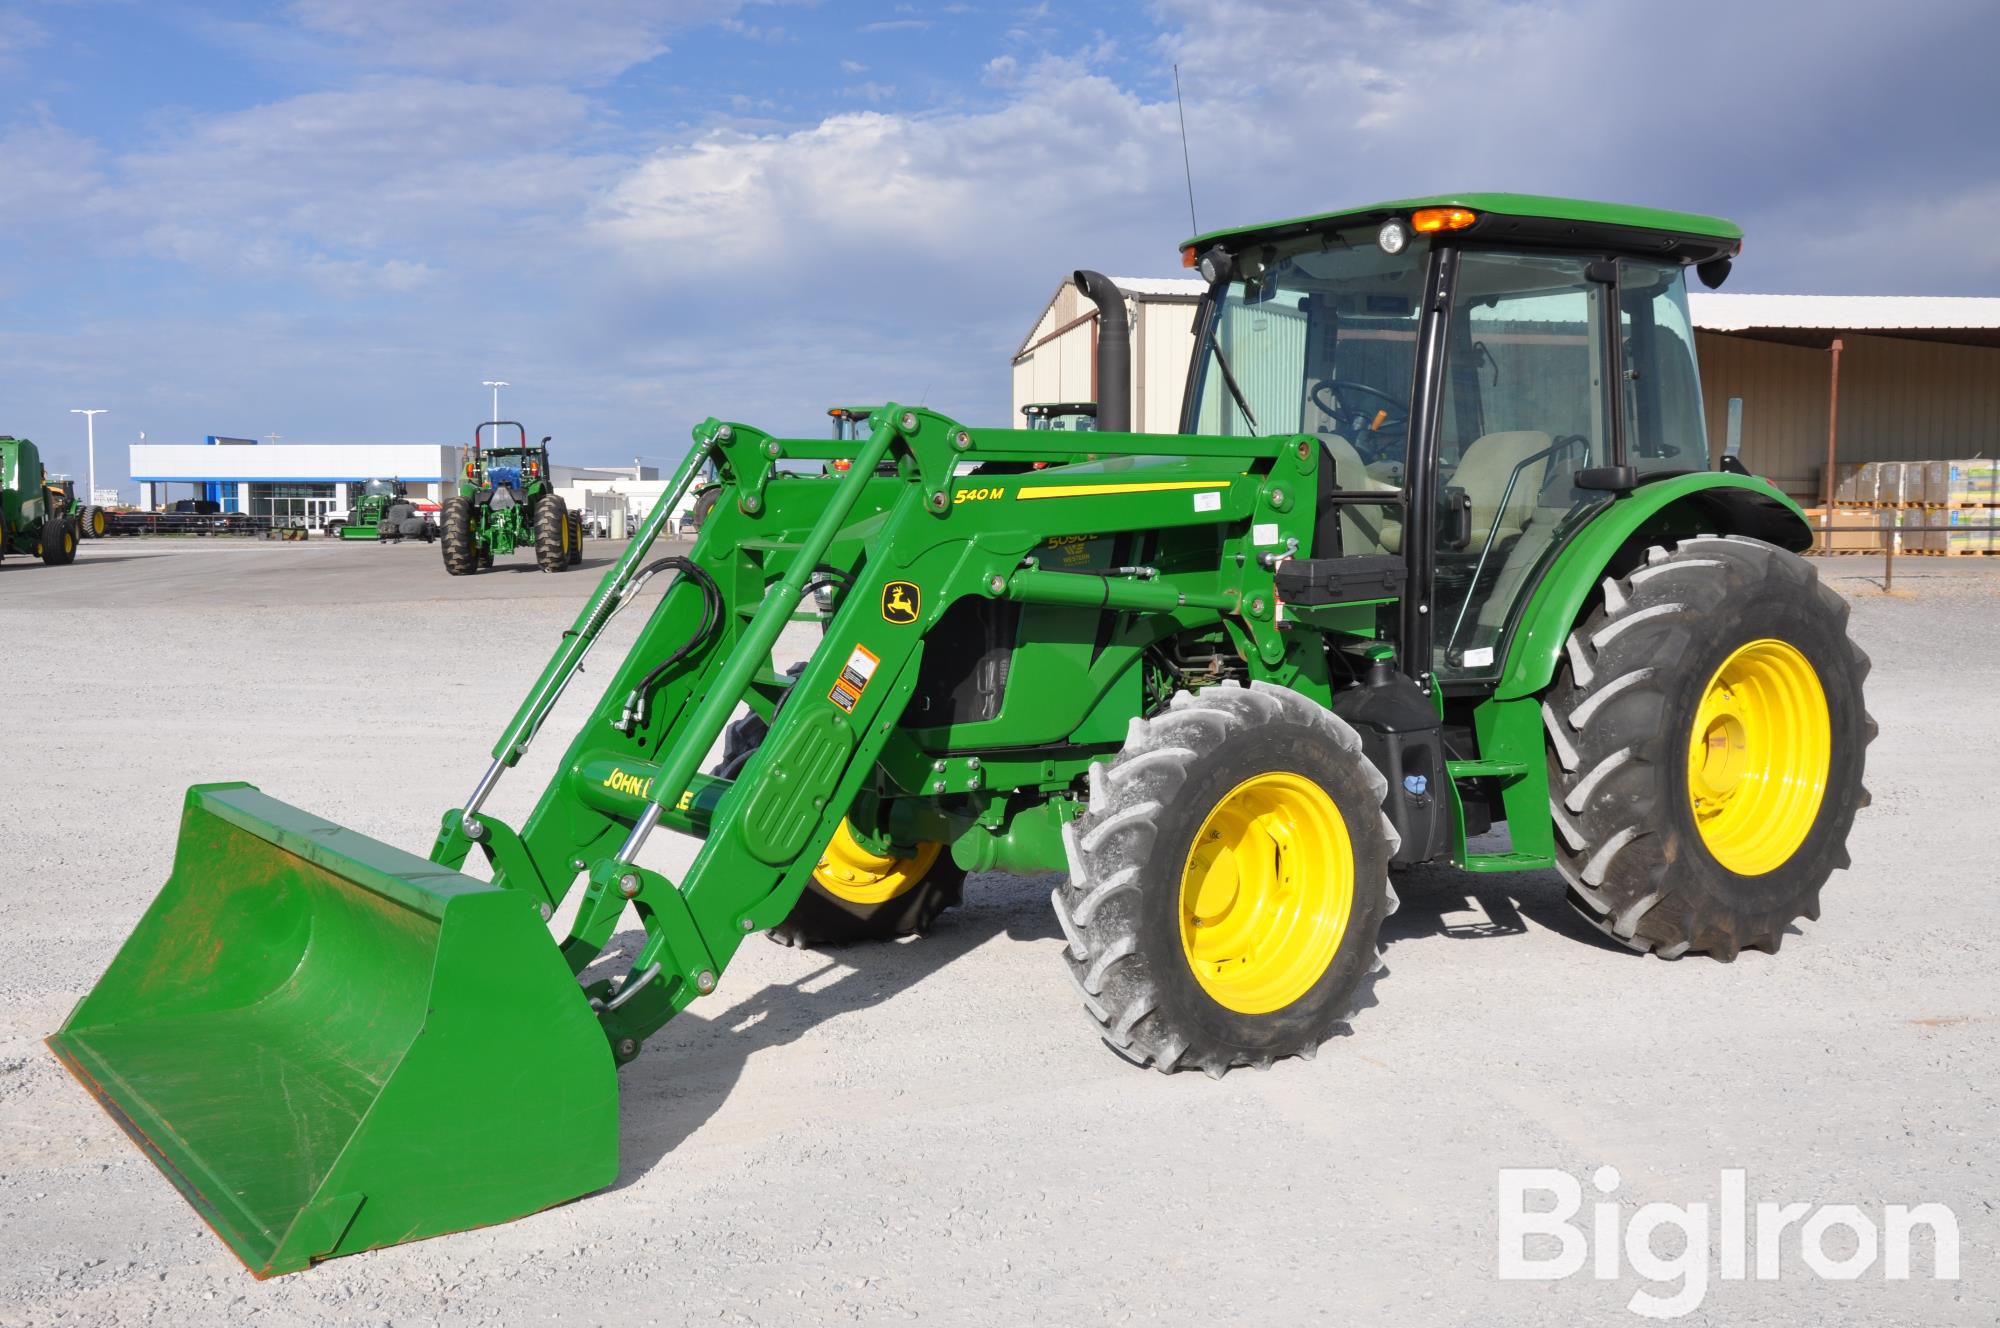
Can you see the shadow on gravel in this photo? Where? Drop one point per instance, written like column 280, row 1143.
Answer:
column 691, row 1066
column 83, row 561
column 1467, row 907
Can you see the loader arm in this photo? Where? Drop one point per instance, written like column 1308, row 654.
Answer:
column 960, row 518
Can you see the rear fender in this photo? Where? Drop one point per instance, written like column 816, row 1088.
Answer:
column 1705, row 503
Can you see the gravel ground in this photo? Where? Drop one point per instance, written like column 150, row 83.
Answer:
column 928, row 1130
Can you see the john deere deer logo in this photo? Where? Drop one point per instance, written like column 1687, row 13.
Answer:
column 900, row 601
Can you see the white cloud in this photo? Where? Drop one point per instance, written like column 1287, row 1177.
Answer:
column 1071, row 148
column 50, row 175
column 381, row 173
column 507, row 41
column 18, row 33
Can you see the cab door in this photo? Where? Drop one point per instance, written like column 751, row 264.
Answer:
column 1525, row 407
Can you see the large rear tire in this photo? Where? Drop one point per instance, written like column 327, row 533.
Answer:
column 552, row 534
column 91, row 522
column 1228, row 882
column 1706, row 738
column 58, row 540
column 461, row 554
column 854, row 894
column 575, row 538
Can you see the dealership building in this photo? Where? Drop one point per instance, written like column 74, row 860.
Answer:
column 305, row 483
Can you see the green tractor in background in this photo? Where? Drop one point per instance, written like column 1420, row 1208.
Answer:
column 1438, row 568
column 507, row 500
column 36, row 514
column 383, row 511
column 91, row 520
column 1061, row 416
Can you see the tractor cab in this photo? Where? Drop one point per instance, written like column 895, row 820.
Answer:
column 1485, row 373
column 850, row 424
column 508, row 474
column 1072, row 416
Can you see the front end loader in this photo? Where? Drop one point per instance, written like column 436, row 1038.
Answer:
column 1436, row 570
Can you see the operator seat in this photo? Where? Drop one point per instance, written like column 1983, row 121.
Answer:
column 1363, row 530
column 1483, row 472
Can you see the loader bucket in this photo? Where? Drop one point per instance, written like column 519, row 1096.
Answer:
column 330, row 1045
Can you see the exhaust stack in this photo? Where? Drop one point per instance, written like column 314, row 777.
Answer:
column 1114, row 352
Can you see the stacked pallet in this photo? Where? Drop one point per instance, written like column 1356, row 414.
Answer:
column 1942, row 508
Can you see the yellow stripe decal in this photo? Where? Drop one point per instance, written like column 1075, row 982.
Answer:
column 1097, row 490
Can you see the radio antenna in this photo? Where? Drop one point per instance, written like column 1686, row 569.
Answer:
column 1194, row 227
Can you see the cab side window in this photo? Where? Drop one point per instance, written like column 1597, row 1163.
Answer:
column 1664, row 428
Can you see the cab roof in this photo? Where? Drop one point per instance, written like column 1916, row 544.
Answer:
column 1525, row 218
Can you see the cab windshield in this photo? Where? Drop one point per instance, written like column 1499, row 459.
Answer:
column 1320, row 337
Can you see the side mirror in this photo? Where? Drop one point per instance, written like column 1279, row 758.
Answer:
column 1608, row 479
column 1455, row 521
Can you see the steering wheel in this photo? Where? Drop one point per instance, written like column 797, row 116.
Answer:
column 1375, row 442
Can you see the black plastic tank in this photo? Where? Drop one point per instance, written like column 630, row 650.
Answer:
column 1400, row 733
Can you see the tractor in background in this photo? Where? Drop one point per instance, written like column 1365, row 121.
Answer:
column 507, row 500
column 383, row 511
column 91, row 520
column 36, row 516
column 1059, row 416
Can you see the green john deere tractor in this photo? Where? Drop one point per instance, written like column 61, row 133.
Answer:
column 36, row 515
column 507, row 500
column 383, row 511
column 91, row 520
column 1437, row 569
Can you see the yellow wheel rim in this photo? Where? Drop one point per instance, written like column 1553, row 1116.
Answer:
column 1266, row 893
column 1758, row 756
column 849, row 871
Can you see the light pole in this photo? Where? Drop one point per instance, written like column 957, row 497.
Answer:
column 496, row 385
column 90, row 441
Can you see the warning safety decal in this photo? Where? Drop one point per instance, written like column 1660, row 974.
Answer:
column 853, row 679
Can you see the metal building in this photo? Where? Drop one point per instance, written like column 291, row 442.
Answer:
column 1058, row 359
column 1918, row 378
column 1851, row 377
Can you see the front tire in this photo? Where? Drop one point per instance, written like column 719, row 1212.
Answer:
column 1228, row 882
column 1706, row 743
column 854, row 895
column 461, row 555
column 58, row 540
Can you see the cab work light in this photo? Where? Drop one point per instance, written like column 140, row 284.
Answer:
column 1425, row 221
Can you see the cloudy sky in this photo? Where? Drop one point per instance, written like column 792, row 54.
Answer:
column 332, row 219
